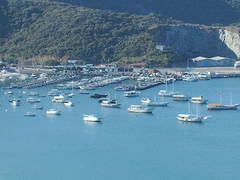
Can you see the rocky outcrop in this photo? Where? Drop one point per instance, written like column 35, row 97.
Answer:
column 195, row 40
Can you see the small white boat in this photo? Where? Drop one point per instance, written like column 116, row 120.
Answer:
column 91, row 118
column 139, row 109
column 180, row 97
column 199, row 100
column 131, row 94
column 68, row 103
column 58, row 99
column 150, row 102
column 8, row 93
column 70, row 95
column 15, row 102
column 53, row 112
column 33, row 100
column 29, row 114
column 110, row 103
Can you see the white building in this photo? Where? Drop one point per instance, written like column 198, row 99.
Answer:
column 213, row 61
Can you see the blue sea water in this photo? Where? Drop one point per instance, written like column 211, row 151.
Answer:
column 125, row 146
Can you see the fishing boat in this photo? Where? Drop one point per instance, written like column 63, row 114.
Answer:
column 151, row 102
column 33, row 100
column 180, row 97
column 131, row 94
column 98, row 96
column 140, row 109
column 58, row 99
column 53, row 112
column 68, row 103
column 199, row 100
column 91, row 118
column 29, row 114
column 112, row 103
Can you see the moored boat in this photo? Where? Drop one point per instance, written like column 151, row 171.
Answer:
column 29, row 114
column 58, row 99
column 91, row 118
column 110, row 103
column 53, row 112
column 98, row 96
column 222, row 107
column 140, row 109
column 199, row 100
column 131, row 94
column 180, row 97
column 68, row 103
column 151, row 102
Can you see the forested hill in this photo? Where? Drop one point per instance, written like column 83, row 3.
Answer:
column 43, row 28
column 192, row 11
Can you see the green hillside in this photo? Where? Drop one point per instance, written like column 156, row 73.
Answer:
column 192, row 11
column 42, row 28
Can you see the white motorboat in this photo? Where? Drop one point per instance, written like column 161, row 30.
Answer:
column 33, row 100
column 53, row 112
column 15, row 102
column 110, row 103
column 29, row 114
column 58, row 99
column 68, row 103
column 91, row 118
column 131, row 94
column 8, row 93
column 180, row 97
column 140, row 109
column 70, row 95
column 199, row 100
column 151, row 102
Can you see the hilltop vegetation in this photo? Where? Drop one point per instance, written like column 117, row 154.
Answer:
column 193, row 11
column 59, row 30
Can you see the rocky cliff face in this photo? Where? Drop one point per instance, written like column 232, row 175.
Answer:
column 194, row 40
